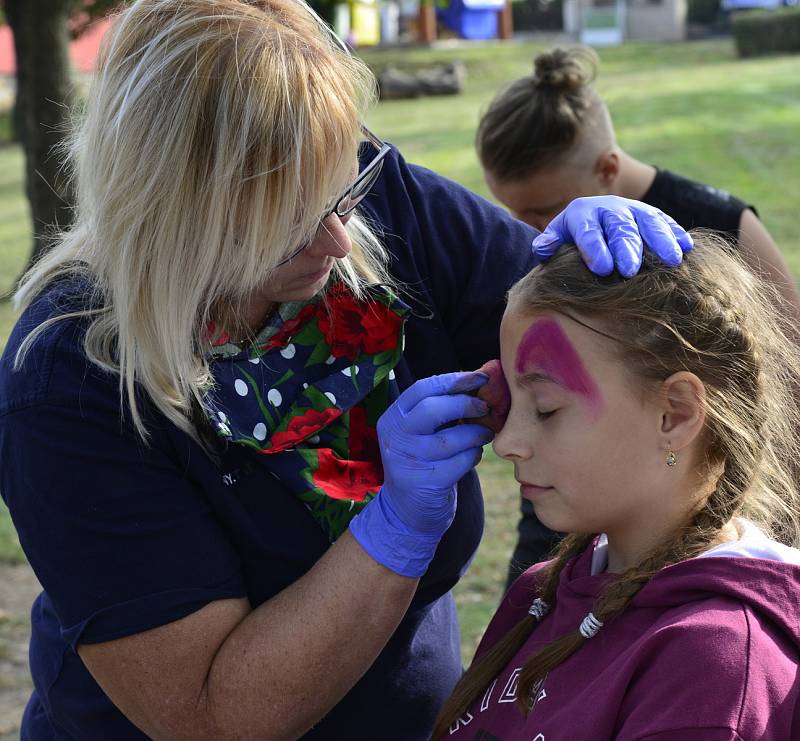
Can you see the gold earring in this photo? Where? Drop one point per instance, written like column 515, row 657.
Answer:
column 671, row 458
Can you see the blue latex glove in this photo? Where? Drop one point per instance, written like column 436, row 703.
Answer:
column 422, row 462
column 608, row 231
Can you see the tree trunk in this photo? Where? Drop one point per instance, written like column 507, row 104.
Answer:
column 41, row 115
column 505, row 22
column 426, row 22
column 20, row 52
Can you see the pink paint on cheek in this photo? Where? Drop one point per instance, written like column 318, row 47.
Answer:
column 545, row 348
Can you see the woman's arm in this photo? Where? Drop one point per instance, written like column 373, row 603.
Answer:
column 760, row 251
column 227, row 671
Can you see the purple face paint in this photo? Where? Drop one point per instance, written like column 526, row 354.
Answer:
column 546, row 349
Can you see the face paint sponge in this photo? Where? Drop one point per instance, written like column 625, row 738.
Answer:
column 496, row 395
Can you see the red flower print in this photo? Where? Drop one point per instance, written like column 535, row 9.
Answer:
column 289, row 328
column 221, row 340
column 363, row 438
column 217, row 340
column 301, row 427
column 340, row 324
column 346, row 479
column 381, row 328
column 352, row 326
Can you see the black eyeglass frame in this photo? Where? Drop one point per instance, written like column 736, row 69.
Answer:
column 343, row 206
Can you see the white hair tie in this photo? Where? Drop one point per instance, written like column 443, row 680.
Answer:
column 539, row 609
column 590, row 626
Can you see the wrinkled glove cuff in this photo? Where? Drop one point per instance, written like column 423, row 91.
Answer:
column 389, row 542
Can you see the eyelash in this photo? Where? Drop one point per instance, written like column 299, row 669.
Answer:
column 545, row 415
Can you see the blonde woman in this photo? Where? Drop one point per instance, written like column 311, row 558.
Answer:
column 190, row 398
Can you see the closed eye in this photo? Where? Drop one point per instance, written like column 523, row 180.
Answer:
column 545, row 415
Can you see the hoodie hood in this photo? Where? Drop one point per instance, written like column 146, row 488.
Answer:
column 756, row 571
column 707, row 650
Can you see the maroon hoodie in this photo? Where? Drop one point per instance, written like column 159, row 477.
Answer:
column 708, row 650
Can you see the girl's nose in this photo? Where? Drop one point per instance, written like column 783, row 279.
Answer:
column 511, row 443
column 332, row 238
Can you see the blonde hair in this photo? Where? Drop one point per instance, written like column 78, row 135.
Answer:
column 712, row 317
column 552, row 117
column 215, row 135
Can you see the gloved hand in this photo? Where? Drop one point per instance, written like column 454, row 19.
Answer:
column 422, row 462
column 608, row 231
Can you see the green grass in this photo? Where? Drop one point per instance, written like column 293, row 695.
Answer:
column 694, row 108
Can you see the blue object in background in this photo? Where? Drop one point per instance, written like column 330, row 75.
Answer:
column 472, row 19
column 757, row 4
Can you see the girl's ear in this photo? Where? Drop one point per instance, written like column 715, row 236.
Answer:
column 683, row 413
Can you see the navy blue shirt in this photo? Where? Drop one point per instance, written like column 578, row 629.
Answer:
column 125, row 536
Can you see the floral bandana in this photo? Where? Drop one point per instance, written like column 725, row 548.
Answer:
column 308, row 393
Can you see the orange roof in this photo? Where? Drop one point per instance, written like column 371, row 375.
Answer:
column 82, row 52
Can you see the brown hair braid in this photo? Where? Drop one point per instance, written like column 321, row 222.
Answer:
column 711, row 317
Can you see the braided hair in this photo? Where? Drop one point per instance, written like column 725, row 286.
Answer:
column 711, row 317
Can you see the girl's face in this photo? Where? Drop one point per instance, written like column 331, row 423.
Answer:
column 585, row 441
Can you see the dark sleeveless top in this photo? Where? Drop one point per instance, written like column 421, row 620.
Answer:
column 694, row 204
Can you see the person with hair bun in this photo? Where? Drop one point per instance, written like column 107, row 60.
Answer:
column 225, row 408
column 547, row 139
column 653, row 419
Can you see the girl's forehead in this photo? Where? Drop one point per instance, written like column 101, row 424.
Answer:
column 546, row 348
column 546, row 327
column 550, row 325
column 544, row 341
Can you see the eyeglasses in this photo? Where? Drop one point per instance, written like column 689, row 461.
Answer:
column 355, row 193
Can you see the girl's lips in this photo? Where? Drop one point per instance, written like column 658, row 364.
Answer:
column 531, row 490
